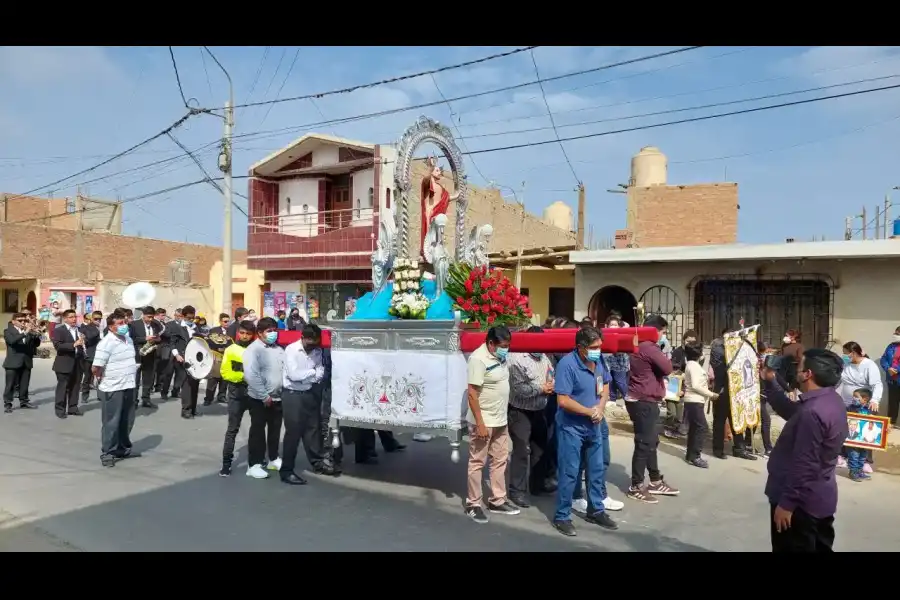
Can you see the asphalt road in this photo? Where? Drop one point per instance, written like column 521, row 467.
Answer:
column 55, row 496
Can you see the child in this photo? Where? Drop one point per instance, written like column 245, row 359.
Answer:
column 696, row 394
column 856, row 457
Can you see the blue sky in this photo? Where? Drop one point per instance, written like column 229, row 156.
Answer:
column 801, row 170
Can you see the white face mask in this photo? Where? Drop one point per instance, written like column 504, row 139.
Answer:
column 786, row 340
column 897, row 338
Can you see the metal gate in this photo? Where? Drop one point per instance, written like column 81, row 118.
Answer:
column 664, row 301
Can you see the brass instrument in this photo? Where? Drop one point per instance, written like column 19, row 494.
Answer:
column 148, row 348
column 219, row 340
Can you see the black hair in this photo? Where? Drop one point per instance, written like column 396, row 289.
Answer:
column 68, row 312
column 499, row 334
column 188, row 310
column 148, row 310
column 113, row 317
column 587, row 336
column 693, row 351
column 535, row 329
column 248, row 326
column 311, row 331
column 281, row 312
column 128, row 312
column 569, row 324
column 585, row 323
column 864, row 393
column 656, row 321
column 587, row 320
column 762, row 346
column 854, row 348
column 690, row 333
column 612, row 318
column 725, row 330
column 240, row 312
column 548, row 322
column 825, row 366
column 118, row 313
column 160, row 311
column 266, row 323
column 615, row 313
column 224, row 316
column 97, row 314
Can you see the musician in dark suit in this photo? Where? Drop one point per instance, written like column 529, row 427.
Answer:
column 90, row 329
column 22, row 342
column 147, row 330
column 70, row 353
column 218, row 340
column 176, row 336
column 162, row 358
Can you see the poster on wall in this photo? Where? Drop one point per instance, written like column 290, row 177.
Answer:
column 88, row 304
column 269, row 304
column 349, row 307
column 743, row 378
column 298, row 301
column 313, row 308
column 280, row 302
column 79, row 306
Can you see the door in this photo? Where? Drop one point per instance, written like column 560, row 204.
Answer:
column 340, row 201
column 562, row 302
column 237, row 301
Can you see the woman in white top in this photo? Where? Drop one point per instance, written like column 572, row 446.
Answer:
column 860, row 371
column 696, row 394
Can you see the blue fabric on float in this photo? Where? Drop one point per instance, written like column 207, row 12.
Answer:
column 375, row 308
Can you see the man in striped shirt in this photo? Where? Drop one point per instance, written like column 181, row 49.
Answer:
column 114, row 366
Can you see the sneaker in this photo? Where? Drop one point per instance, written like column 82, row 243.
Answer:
column 603, row 520
column 698, row 462
column 476, row 513
column 579, row 505
column 565, row 527
column 661, row 488
column 867, row 469
column 610, row 504
column 857, row 476
column 842, row 462
column 672, row 434
column 275, row 465
column 257, row 472
column 520, row 501
column 226, row 471
column 507, row 508
column 641, row 494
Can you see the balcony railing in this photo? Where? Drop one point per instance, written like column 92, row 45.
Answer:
column 312, row 223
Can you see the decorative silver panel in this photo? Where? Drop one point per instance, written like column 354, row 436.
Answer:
column 413, row 336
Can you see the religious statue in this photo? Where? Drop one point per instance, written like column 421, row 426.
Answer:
column 435, row 198
column 384, row 255
column 476, row 252
column 436, row 254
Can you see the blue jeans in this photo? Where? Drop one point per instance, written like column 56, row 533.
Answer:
column 579, row 485
column 573, row 444
column 856, row 459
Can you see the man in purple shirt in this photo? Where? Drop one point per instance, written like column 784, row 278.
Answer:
column 802, row 488
column 646, row 388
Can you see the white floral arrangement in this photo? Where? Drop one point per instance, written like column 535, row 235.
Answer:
column 408, row 302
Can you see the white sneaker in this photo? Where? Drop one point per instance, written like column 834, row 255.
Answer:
column 274, row 465
column 580, row 506
column 257, row 472
column 422, row 437
column 610, row 504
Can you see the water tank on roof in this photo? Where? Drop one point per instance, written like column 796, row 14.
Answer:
column 896, row 228
column 559, row 214
column 648, row 167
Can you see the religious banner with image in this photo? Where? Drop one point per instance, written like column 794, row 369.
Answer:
column 743, row 378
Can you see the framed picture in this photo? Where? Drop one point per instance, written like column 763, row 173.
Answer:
column 869, row 432
column 10, row 301
column 673, row 387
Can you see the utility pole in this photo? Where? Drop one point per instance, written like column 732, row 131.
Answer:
column 848, row 228
column 887, row 207
column 225, row 166
column 877, row 222
column 521, row 241
column 865, row 228
column 580, row 232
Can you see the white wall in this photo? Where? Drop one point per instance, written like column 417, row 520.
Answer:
column 389, row 154
column 363, row 181
column 294, row 220
column 325, row 155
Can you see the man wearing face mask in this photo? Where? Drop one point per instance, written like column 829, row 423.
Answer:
column 582, row 391
column 801, row 487
column 890, row 362
column 238, row 400
column 264, row 374
column 114, row 366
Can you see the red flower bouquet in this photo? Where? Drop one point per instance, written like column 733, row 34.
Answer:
column 487, row 297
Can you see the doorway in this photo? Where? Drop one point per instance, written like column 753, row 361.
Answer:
column 561, row 302
column 610, row 298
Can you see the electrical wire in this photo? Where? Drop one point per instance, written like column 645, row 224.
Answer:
column 178, row 78
column 274, row 75
column 552, row 122
column 362, row 86
column 461, row 139
column 209, row 178
column 259, row 70
column 281, row 87
column 205, row 70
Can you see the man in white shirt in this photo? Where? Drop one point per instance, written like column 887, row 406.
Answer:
column 302, row 404
column 114, row 366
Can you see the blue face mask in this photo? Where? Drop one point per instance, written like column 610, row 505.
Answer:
column 594, row 355
column 271, row 337
column 501, row 353
column 663, row 340
column 846, row 359
column 122, row 330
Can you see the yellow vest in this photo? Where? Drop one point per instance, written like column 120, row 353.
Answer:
column 233, row 356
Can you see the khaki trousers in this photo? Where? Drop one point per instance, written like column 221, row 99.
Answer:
column 496, row 446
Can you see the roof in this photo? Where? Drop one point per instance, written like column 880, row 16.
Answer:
column 548, row 257
column 794, row 251
column 304, row 145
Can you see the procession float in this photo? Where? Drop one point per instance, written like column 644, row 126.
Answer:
column 399, row 361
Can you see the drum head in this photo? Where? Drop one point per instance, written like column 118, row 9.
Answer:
column 198, row 359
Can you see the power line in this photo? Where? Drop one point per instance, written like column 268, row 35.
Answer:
column 205, row 70
column 552, row 122
column 178, row 78
column 682, row 121
column 392, row 79
column 259, row 69
column 209, row 178
column 458, row 132
column 281, row 87
column 274, row 73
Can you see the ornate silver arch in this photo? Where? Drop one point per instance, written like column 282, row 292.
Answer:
column 428, row 130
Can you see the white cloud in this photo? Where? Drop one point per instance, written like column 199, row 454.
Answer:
column 43, row 65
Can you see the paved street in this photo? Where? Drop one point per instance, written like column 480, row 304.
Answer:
column 55, row 496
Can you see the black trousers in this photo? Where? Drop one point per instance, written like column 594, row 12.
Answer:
column 721, row 413
column 302, row 423
column 806, row 533
column 87, row 378
column 145, row 373
column 67, row 387
column 159, row 374
column 527, row 465
column 265, row 431
column 173, row 375
column 238, row 404
column 190, row 389
column 16, row 379
column 117, row 410
column 364, row 443
column 550, row 449
column 211, row 386
column 893, row 402
column 698, row 429
column 645, row 418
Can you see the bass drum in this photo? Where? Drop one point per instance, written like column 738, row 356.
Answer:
column 198, row 358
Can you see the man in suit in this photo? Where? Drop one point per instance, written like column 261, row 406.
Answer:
column 90, row 329
column 176, row 336
column 147, row 329
column 171, row 378
column 70, row 353
column 21, row 345
column 161, row 361
column 215, row 378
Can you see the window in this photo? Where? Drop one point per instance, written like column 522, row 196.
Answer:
column 288, row 204
column 387, row 197
column 10, row 301
column 371, row 198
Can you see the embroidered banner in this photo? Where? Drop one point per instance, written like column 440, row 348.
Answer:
column 743, row 378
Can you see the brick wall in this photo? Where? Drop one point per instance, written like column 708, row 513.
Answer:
column 485, row 206
column 683, row 215
column 33, row 210
column 61, row 254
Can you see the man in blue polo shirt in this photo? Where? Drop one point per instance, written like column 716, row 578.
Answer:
column 582, row 390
